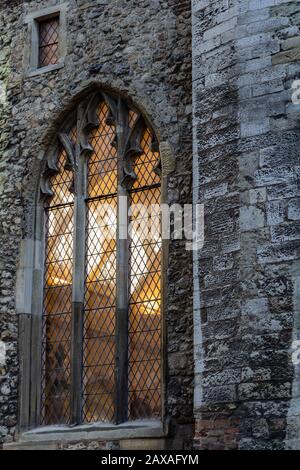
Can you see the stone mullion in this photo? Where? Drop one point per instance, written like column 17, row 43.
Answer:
column 79, row 249
column 122, row 279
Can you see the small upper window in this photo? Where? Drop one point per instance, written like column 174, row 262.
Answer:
column 48, row 41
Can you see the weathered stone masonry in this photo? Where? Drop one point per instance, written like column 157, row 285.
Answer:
column 141, row 49
column 246, row 151
column 229, row 341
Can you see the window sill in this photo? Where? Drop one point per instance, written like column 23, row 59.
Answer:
column 96, row 431
column 48, row 68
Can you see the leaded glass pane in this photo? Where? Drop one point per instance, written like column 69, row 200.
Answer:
column 144, row 379
column 103, row 181
column 57, row 306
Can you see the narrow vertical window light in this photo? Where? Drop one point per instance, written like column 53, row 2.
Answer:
column 100, row 284
column 102, row 293
column 57, row 305
column 48, row 41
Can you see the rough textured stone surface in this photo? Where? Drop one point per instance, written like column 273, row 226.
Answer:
column 246, row 141
column 142, row 49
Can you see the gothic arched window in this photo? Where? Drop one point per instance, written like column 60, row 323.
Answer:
column 101, row 322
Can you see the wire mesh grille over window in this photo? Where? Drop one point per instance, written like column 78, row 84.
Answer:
column 99, row 394
column 48, row 41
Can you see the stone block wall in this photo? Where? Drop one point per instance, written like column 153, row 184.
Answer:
column 243, row 314
column 246, row 160
column 143, row 50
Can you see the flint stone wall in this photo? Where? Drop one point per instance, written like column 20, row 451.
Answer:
column 143, row 50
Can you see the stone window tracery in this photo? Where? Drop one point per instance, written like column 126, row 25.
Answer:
column 101, row 322
column 46, row 49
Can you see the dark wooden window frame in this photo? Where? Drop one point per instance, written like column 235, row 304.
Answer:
column 33, row 272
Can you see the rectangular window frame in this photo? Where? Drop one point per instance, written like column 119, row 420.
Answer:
column 32, row 20
column 30, row 278
column 41, row 24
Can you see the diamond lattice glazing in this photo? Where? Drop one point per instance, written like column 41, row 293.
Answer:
column 48, row 45
column 144, row 281
column 57, row 308
column 100, row 286
column 144, row 379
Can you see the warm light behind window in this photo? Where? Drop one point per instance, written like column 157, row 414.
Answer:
column 100, row 291
column 144, row 329
column 145, row 291
column 57, row 314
